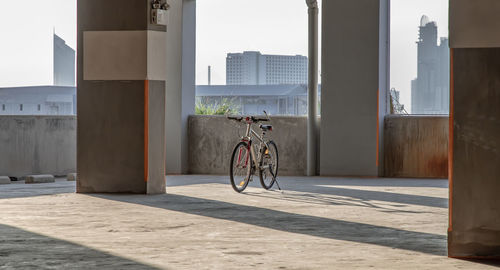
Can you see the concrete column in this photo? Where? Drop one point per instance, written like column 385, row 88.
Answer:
column 312, row 89
column 474, row 229
column 355, row 72
column 121, row 98
column 181, row 55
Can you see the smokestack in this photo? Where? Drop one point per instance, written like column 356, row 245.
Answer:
column 209, row 75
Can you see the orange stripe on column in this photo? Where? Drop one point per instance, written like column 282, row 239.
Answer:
column 450, row 144
column 378, row 126
column 146, row 130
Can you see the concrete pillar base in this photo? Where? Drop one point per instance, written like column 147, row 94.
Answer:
column 481, row 243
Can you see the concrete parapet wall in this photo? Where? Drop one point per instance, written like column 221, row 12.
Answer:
column 213, row 138
column 37, row 145
column 416, row 146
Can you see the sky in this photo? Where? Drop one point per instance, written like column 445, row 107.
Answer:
column 268, row 26
column 223, row 26
column 26, row 39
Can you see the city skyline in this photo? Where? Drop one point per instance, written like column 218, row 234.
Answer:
column 252, row 28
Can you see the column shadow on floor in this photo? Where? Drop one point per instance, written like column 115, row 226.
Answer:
column 429, row 243
column 21, row 249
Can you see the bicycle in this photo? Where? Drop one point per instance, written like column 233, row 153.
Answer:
column 244, row 157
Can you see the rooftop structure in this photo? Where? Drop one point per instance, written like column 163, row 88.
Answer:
column 38, row 100
column 254, row 68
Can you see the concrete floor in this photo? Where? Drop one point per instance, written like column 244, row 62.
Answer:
column 317, row 223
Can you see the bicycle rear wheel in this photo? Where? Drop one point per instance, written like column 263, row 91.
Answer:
column 269, row 165
column 240, row 167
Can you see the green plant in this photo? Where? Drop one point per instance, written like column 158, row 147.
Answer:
column 225, row 107
column 203, row 109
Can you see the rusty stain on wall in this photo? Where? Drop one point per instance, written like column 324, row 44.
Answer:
column 416, row 146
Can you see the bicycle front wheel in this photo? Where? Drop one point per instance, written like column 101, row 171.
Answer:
column 240, row 167
column 268, row 165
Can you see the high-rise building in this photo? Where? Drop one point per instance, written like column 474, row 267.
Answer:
column 254, row 68
column 430, row 91
column 64, row 63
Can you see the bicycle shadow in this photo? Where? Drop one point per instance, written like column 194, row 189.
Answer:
column 321, row 199
column 341, row 187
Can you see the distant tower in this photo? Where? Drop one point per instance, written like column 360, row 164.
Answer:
column 430, row 90
column 64, row 63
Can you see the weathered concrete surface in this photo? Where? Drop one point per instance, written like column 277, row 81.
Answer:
column 318, row 223
column 121, row 125
column 354, row 84
column 213, row 138
column 39, row 179
column 71, row 177
column 474, row 24
column 474, row 228
column 37, row 145
column 4, row 180
column 416, row 146
column 475, row 207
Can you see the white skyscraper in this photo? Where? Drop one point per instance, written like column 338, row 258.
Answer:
column 254, row 68
column 64, row 63
column 430, row 91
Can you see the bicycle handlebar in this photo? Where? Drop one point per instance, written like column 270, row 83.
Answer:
column 235, row 118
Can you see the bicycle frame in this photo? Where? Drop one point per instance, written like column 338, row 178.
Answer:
column 250, row 149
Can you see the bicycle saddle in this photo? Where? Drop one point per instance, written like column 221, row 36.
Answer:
column 266, row 127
